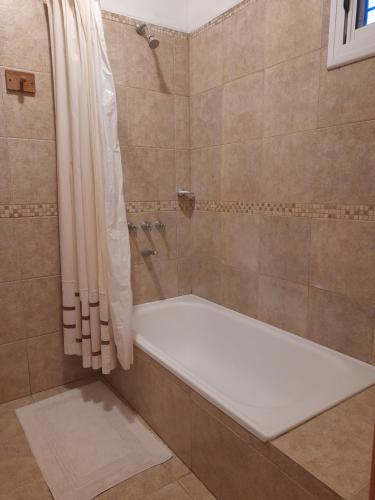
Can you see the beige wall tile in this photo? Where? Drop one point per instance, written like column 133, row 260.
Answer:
column 289, row 163
column 343, row 257
column 146, row 68
column 31, row 116
column 41, row 300
column 325, row 22
column 240, row 241
column 182, row 130
column 345, row 170
column 149, row 174
column 13, row 371
column 181, row 67
column 33, row 171
column 31, row 50
column 285, row 247
column 155, row 280
column 206, row 230
column 243, row 41
column 48, row 365
column 12, row 326
column 195, row 488
column 5, row 171
column 206, row 60
column 123, row 116
column 344, row 92
column 2, row 109
column 206, row 277
column 291, row 95
column 205, row 119
column 150, row 118
column 243, row 108
column 173, row 491
column 205, row 172
column 231, row 468
column 38, row 246
column 171, row 412
column 9, row 262
column 183, row 173
column 184, row 238
column 184, row 268
column 293, row 28
column 115, row 39
column 341, row 323
column 240, row 290
column 363, row 494
column 241, row 170
column 283, row 304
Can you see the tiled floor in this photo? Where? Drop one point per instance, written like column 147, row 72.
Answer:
column 21, row 479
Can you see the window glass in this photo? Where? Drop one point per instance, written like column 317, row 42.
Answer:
column 365, row 13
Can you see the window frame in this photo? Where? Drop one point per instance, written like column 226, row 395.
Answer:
column 360, row 43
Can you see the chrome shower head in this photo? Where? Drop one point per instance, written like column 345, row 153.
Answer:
column 144, row 30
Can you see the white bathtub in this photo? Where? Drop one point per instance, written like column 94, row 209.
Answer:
column 266, row 379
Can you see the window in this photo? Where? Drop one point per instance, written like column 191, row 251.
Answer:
column 351, row 32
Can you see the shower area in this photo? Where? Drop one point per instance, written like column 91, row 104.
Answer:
column 244, row 182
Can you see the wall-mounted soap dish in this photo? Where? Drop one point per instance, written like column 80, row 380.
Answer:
column 185, row 193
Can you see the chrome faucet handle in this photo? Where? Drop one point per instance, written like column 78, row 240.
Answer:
column 146, row 225
column 160, row 225
column 147, row 252
column 132, row 227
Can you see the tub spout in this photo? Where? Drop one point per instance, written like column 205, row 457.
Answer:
column 147, row 252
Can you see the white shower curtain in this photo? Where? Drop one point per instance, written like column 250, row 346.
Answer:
column 94, row 239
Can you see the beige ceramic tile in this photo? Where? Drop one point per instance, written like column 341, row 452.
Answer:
column 2, row 109
column 41, row 300
column 115, row 39
column 5, row 170
column 181, row 67
column 122, row 116
column 341, row 323
column 170, row 416
column 13, row 371
column 38, row 246
column 182, row 161
column 345, row 173
column 31, row 116
column 176, row 468
column 243, row 108
column 289, row 163
column 9, row 263
column 241, row 170
column 325, row 22
column 48, row 365
column 12, row 326
column 33, row 490
column 182, row 130
column 293, row 28
column 184, row 239
column 146, row 68
column 344, row 92
column 283, row 304
column 285, row 247
column 206, row 65
column 206, row 278
column 205, row 119
column 362, row 494
column 31, row 50
column 140, row 486
column 184, row 267
column 173, row 491
column 33, row 171
column 243, row 41
column 231, row 468
column 195, row 488
column 206, row 231
column 155, row 279
column 240, row 241
column 149, row 174
column 150, row 118
column 336, row 446
column 205, row 172
column 240, row 290
column 343, row 257
column 291, row 95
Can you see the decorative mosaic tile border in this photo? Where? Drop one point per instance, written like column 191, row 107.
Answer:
column 15, row 211
column 110, row 16
column 312, row 210
column 222, row 17
column 133, row 207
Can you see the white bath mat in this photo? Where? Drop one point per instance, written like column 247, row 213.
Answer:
column 86, row 440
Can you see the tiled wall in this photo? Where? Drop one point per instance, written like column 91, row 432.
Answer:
column 282, row 160
column 153, row 101
column 31, row 352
